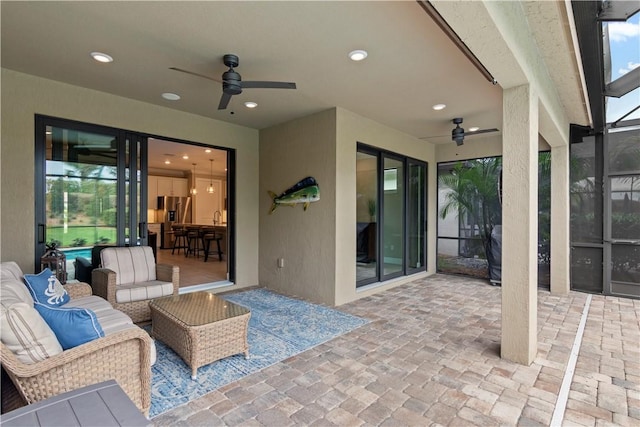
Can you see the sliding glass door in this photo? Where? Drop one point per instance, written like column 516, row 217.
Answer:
column 393, row 218
column 89, row 187
column 391, row 215
column 416, row 216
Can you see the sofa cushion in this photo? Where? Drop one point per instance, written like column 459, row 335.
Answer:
column 143, row 291
column 26, row 334
column 46, row 289
column 92, row 302
column 131, row 264
column 14, row 290
column 10, row 270
column 72, row 326
column 111, row 320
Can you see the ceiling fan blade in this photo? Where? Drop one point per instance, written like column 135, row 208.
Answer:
column 224, row 101
column 476, row 132
column 435, row 136
column 268, row 85
column 195, row 74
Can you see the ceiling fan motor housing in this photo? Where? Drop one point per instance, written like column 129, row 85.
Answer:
column 231, row 83
column 457, row 134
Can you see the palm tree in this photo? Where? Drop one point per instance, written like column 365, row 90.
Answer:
column 474, row 195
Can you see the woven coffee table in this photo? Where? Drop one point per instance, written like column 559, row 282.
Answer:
column 200, row 327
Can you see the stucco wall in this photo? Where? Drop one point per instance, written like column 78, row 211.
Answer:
column 319, row 246
column 24, row 95
column 303, row 239
column 351, row 129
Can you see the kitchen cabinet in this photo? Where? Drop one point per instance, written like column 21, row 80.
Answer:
column 152, row 192
column 168, row 186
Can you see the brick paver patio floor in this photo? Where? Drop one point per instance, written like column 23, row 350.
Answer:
column 430, row 356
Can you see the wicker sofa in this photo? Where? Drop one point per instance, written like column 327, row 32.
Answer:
column 130, row 278
column 125, row 353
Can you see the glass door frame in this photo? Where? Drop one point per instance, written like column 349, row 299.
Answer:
column 135, row 212
column 407, row 162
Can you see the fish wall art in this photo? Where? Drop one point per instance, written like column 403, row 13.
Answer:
column 304, row 191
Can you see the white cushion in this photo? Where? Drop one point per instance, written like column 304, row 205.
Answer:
column 26, row 334
column 111, row 320
column 92, row 302
column 143, row 291
column 133, row 264
column 14, row 290
column 10, row 270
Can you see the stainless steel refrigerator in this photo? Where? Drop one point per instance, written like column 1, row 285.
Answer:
column 174, row 210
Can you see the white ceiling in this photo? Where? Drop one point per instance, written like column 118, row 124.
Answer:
column 411, row 65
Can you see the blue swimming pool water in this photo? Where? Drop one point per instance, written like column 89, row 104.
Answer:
column 80, row 252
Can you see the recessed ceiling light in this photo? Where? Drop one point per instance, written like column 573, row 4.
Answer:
column 185, row 157
column 439, row 107
column 358, row 55
column 208, row 150
column 167, row 162
column 101, row 57
column 171, row 96
column 250, row 104
column 473, row 129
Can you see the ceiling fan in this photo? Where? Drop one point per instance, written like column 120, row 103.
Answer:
column 458, row 133
column 232, row 83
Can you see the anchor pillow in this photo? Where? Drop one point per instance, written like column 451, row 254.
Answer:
column 46, row 289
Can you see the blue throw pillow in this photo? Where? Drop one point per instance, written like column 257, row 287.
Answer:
column 46, row 289
column 72, row 325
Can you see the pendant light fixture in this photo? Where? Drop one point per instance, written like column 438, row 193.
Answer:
column 211, row 190
column 193, row 188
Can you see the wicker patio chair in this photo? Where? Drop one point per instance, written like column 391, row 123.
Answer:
column 128, row 273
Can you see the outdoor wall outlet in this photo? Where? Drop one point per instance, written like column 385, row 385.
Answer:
column 280, row 262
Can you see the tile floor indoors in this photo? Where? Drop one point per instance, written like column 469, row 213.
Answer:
column 430, row 356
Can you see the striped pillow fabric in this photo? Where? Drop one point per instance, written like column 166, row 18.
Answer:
column 26, row 334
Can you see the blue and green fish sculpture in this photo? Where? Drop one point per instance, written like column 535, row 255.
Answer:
column 304, row 191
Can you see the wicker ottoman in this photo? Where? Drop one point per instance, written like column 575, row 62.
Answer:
column 200, row 327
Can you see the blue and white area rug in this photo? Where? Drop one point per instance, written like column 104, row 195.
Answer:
column 279, row 328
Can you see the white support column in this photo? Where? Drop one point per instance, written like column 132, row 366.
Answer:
column 520, row 224
column 560, row 240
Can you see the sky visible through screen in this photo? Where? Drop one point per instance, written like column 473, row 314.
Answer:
column 624, row 42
